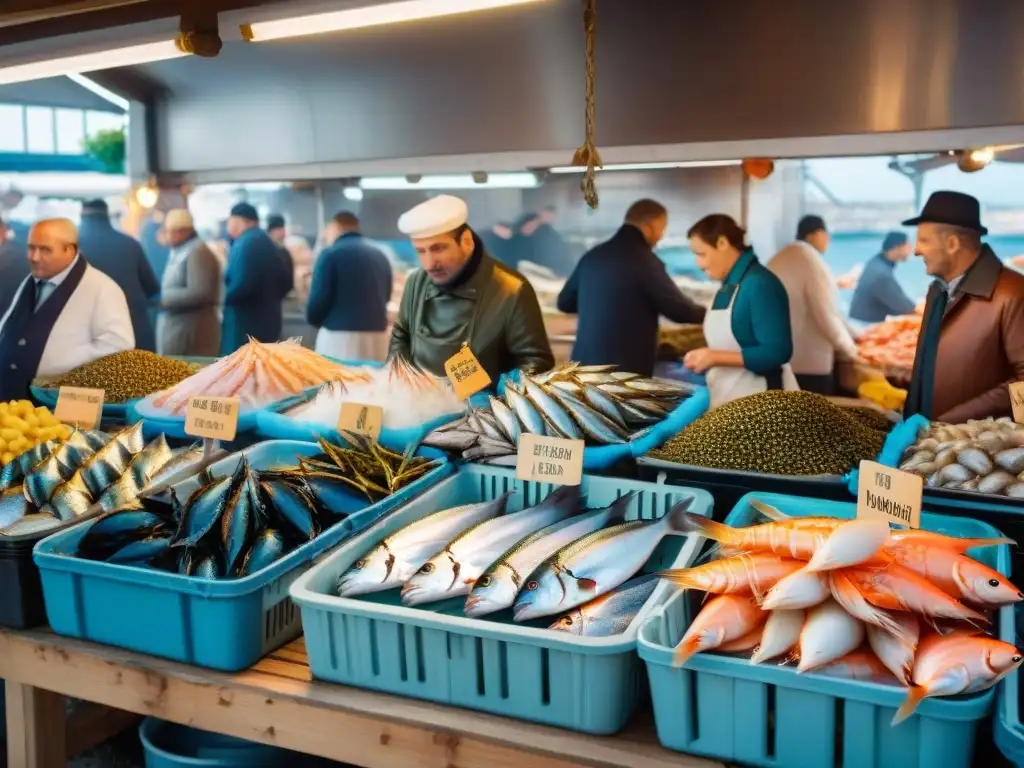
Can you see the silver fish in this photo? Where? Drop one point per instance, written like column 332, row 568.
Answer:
column 657, row 387
column 13, row 474
column 487, row 425
column 604, row 404
column 653, row 407
column 589, row 369
column 185, row 463
column 453, row 440
column 95, row 439
column 395, row 559
column 610, row 614
column 596, row 564
column 109, row 462
column 72, row 499
column 487, row 449
column 528, row 414
column 594, row 425
column 138, row 475
column 506, row 419
column 13, row 507
column 41, row 483
column 571, row 387
column 620, row 391
column 454, row 570
column 497, row 588
column 555, row 415
column 511, row 460
column 634, row 416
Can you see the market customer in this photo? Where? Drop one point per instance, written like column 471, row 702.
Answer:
column 65, row 314
column 279, row 234
column 348, row 299
column 747, row 328
column 619, row 289
column 820, row 334
column 878, row 294
column 253, row 283
column 189, row 321
column 463, row 296
column 13, row 266
column 121, row 258
column 971, row 345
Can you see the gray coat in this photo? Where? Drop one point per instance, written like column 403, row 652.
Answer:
column 189, row 322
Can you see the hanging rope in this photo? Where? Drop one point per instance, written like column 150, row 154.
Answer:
column 587, row 154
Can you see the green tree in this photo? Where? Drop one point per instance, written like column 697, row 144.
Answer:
column 107, row 148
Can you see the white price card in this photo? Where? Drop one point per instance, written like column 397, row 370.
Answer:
column 549, row 460
column 889, row 493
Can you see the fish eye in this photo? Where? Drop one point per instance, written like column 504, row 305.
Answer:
column 567, row 620
column 1016, row 659
column 993, row 582
column 427, row 568
column 532, row 585
column 360, row 563
column 485, row 581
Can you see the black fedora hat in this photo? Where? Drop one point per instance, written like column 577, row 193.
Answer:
column 953, row 208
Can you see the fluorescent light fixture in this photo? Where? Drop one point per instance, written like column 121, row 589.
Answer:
column 355, row 194
column 370, row 16
column 522, row 180
column 648, row 166
column 104, row 93
column 90, row 62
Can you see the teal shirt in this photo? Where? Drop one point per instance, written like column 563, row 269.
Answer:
column 760, row 314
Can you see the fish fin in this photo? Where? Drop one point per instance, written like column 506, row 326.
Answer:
column 681, row 520
column 915, row 695
column 767, row 510
column 853, row 601
column 586, row 584
column 685, row 650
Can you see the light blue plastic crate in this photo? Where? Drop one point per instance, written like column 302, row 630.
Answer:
column 169, row 745
column 766, row 715
column 1009, row 731
column 223, row 624
column 492, row 665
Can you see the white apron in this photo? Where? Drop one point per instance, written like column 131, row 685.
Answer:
column 727, row 383
column 353, row 345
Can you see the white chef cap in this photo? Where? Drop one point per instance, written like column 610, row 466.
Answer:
column 441, row 214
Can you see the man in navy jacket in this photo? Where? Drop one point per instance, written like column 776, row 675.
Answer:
column 619, row 289
column 348, row 299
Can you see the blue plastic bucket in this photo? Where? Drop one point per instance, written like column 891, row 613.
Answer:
column 169, row 745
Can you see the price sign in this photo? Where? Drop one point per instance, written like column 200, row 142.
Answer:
column 361, row 419
column 1017, row 401
column 465, row 373
column 549, row 460
column 80, row 407
column 212, row 418
column 889, row 493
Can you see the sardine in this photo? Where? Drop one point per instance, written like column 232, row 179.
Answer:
column 208, row 567
column 452, row 440
column 114, row 530
column 596, row 564
column 828, row 634
column 652, row 407
column 593, row 424
column 610, row 614
column 183, row 464
column 41, row 483
column 635, row 416
column 238, row 523
column 529, row 416
column 110, row 462
column 486, row 425
column 268, row 548
column 13, row 507
column 203, row 508
column 620, row 391
column 395, row 559
column 71, row 499
column 149, row 461
column 555, row 415
column 144, row 551
column 506, row 419
column 95, row 439
column 13, row 474
column 294, row 505
column 571, row 387
column 333, row 495
column 605, row 405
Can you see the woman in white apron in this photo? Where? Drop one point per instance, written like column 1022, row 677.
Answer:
column 747, row 330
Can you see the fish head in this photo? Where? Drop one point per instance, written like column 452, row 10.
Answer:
column 541, row 595
column 571, row 623
column 1003, row 658
column 370, row 573
column 494, row 590
column 433, row 581
column 984, row 585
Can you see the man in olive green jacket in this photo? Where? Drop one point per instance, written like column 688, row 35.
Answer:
column 463, row 296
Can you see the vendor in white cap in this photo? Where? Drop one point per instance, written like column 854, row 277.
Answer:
column 463, row 296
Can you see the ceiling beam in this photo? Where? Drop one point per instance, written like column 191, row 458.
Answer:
column 29, row 11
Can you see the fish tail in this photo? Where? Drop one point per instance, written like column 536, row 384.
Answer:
column 681, row 577
column 915, row 695
column 681, row 520
column 687, row 648
column 767, row 510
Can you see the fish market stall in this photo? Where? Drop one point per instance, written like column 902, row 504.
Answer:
column 891, row 346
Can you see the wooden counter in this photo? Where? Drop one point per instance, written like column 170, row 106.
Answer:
column 276, row 702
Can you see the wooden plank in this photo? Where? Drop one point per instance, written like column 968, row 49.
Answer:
column 92, row 724
column 35, row 727
column 345, row 724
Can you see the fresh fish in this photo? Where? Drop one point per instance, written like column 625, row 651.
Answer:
column 488, row 450
column 556, row 416
column 334, row 496
column 294, row 505
column 44, row 479
column 203, row 508
column 395, row 559
column 850, row 543
column 798, row 543
column 955, row 574
column 619, row 390
column 153, row 549
column 453, row 570
column 975, row 460
column 1011, row 460
column 610, row 614
column 529, row 416
column 957, row 663
column 486, row 425
column 501, row 461
column 801, row 589
column 743, row 644
column 780, row 636
column 95, row 439
column 207, row 567
column 594, row 425
column 267, row 549
column 828, row 634
column 14, row 472
column 569, row 387
column 603, row 404
column 451, row 440
column 896, row 588
column 149, row 461
column 589, row 369
column 653, row 407
column 845, row 592
column 723, row 618
column 897, row 653
column 71, row 499
column 857, row 665
column 110, row 462
column 951, row 473
column 506, row 419
column 742, row 574
column 596, row 564
column 634, row 416
column 13, row 507
column 658, row 387
column 239, row 521
column 497, row 588
column 183, row 464
column 997, row 482
column 114, row 530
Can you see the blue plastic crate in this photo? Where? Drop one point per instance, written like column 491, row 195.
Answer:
column 1009, row 731
column 766, row 715
column 169, row 745
column 491, row 664
column 222, row 624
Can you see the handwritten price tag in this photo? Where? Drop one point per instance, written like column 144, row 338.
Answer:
column 889, row 493
column 212, row 418
column 1017, row 401
column 549, row 460
column 465, row 373
column 361, row 419
column 80, row 407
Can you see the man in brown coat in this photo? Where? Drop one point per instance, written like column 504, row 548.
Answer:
column 971, row 345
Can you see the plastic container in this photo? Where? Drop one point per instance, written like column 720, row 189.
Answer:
column 169, row 745
column 766, row 715
column 491, row 665
column 224, row 624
